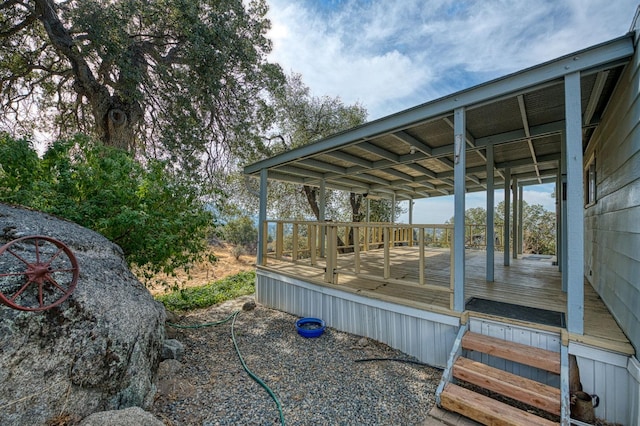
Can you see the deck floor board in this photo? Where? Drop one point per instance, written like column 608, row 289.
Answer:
column 533, row 283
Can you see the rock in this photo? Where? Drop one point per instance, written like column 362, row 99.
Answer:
column 362, row 342
column 249, row 306
column 134, row 416
column 172, row 349
column 98, row 350
column 170, row 381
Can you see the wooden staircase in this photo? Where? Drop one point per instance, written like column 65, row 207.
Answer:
column 467, row 382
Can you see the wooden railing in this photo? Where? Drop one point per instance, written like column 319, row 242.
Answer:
column 319, row 244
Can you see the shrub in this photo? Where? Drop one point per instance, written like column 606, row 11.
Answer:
column 151, row 211
column 219, row 291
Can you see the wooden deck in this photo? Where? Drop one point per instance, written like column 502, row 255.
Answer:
column 527, row 282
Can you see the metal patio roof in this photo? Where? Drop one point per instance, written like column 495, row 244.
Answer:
column 410, row 154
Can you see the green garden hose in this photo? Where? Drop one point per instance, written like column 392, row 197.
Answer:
column 244, row 365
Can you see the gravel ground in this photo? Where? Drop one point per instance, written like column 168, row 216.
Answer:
column 318, row 381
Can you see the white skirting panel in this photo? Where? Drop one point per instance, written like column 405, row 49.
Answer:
column 514, row 333
column 615, row 378
column 425, row 335
column 634, row 391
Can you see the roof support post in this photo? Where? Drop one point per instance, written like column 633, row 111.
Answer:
column 393, row 208
column 507, row 214
column 563, row 210
column 520, row 215
column 516, row 225
column 559, row 225
column 459, row 169
column 262, row 216
column 490, row 232
column 322, row 205
column 411, row 211
column 575, row 203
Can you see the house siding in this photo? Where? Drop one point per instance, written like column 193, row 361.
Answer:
column 606, row 374
column 425, row 335
column 612, row 234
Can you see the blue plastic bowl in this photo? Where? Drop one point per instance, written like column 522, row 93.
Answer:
column 310, row 327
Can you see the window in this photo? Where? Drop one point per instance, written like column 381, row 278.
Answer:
column 590, row 183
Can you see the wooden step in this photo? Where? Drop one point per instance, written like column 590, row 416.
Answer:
column 486, row 410
column 510, row 385
column 534, row 357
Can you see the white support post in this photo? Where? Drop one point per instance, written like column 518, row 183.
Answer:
column 559, row 225
column 393, row 209
column 507, row 214
column 490, row 232
column 459, row 172
column 411, row 212
column 262, row 217
column 515, row 217
column 575, row 203
column 563, row 210
column 321, row 219
column 520, row 224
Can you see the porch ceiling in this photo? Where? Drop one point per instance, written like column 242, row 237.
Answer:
column 410, row 154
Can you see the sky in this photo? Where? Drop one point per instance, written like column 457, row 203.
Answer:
column 390, row 55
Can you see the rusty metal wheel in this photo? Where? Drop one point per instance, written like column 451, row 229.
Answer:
column 36, row 273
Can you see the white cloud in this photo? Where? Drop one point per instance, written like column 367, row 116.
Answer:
column 391, row 55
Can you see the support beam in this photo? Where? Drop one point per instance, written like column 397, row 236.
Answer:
column 321, row 216
column 507, row 214
column 490, row 234
column 393, row 209
column 575, row 203
column 520, row 215
column 559, row 217
column 514, row 188
column 459, row 207
column 262, row 217
column 527, row 132
column 411, row 203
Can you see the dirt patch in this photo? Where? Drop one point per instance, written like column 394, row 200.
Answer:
column 205, row 272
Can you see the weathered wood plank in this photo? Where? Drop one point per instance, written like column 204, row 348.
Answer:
column 534, row 357
column 516, row 387
column 486, row 410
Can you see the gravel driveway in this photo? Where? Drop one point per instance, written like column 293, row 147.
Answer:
column 317, row 381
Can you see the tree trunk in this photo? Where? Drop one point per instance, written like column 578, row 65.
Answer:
column 116, row 122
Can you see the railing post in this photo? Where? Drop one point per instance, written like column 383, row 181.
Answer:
column 313, row 236
column 294, row 241
column 356, row 248
column 279, row 239
column 420, row 255
column 265, row 237
column 366, row 237
column 387, row 244
column 452, row 258
column 332, row 255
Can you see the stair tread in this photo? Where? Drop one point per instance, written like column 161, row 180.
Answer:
column 518, row 352
column 486, row 410
column 508, row 384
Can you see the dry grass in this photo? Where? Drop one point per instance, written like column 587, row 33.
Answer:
column 204, row 272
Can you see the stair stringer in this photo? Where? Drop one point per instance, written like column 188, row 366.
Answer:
column 456, row 351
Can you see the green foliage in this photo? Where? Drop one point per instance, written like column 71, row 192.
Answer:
column 154, row 214
column 240, row 231
column 184, row 78
column 539, row 226
column 217, row 292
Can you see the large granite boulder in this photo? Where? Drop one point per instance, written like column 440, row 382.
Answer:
column 99, row 350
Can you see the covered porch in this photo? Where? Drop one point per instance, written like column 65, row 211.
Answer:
column 415, row 268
